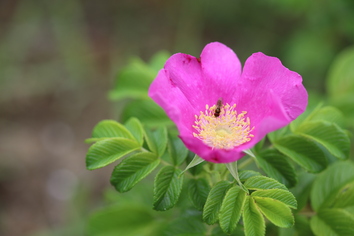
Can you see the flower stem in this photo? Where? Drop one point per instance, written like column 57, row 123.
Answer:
column 234, row 172
column 246, row 163
column 237, row 176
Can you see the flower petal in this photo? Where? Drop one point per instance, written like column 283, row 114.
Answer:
column 221, row 68
column 177, row 107
column 272, row 95
column 210, row 154
column 185, row 72
column 165, row 93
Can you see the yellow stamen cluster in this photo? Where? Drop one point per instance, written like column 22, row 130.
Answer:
column 226, row 131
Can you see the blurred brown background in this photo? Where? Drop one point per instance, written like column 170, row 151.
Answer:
column 58, row 59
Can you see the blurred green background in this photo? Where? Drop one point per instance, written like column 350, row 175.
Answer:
column 58, row 60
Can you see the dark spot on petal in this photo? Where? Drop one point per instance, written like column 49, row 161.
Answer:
column 215, row 158
column 187, row 59
column 172, row 83
column 198, row 59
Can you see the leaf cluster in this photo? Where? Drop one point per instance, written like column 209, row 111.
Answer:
column 309, row 157
column 141, row 150
column 231, row 201
column 312, row 142
column 317, row 144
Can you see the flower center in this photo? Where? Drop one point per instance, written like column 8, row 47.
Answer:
column 221, row 127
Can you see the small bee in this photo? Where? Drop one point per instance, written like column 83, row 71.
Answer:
column 218, row 108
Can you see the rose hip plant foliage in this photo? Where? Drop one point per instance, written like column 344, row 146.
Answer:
column 232, row 148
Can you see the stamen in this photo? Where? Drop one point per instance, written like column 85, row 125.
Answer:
column 226, row 131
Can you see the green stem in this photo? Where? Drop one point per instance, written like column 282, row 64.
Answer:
column 307, row 213
column 165, row 163
column 237, row 177
column 224, row 174
column 246, row 162
column 234, row 172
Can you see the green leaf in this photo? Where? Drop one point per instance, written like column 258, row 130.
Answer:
column 302, row 226
column 177, row 151
column 93, row 140
column 157, row 140
column 345, row 102
column 147, row 111
column 136, row 129
column 128, row 220
column 303, row 151
column 231, row 209
column 345, row 197
column 340, row 76
column 133, row 81
column 167, row 188
column 329, row 135
column 110, row 129
column 198, row 190
column 319, row 113
column 262, row 183
column 186, row 224
column 286, row 231
column 303, row 189
column 196, row 161
column 250, row 153
column 329, row 114
column 259, row 146
column 277, row 212
column 305, row 116
column 278, row 134
column 217, row 231
column 252, row 219
column 349, row 209
column 277, row 166
column 333, row 222
column 340, row 83
column 281, row 195
column 214, row 201
column 232, row 167
column 331, row 183
column 132, row 170
column 245, row 174
column 107, row 151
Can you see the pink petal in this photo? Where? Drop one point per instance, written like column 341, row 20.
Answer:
column 185, row 73
column 272, row 95
column 221, row 69
column 177, row 107
column 167, row 95
column 210, row 154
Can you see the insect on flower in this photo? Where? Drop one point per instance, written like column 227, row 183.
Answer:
column 218, row 108
column 251, row 101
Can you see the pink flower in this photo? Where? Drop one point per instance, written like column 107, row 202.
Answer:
column 221, row 110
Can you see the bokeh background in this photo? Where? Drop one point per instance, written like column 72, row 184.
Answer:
column 59, row 59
